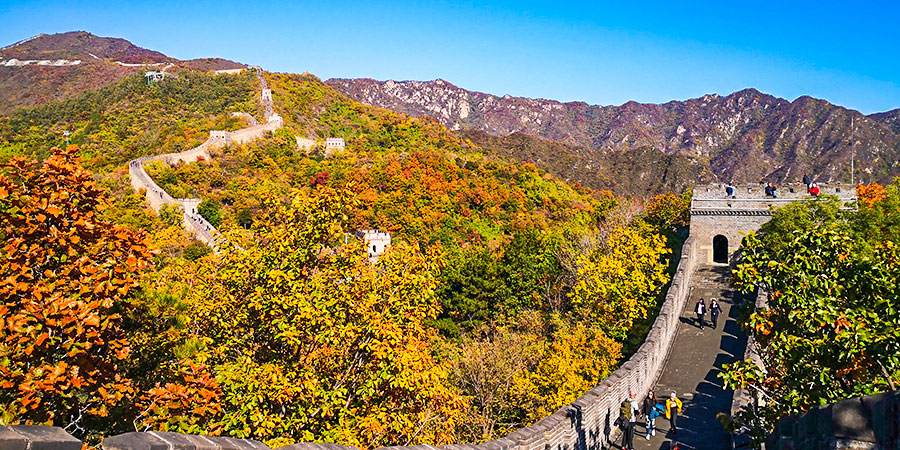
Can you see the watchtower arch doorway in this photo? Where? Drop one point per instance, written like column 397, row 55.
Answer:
column 720, row 249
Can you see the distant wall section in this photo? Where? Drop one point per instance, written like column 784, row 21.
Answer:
column 862, row 423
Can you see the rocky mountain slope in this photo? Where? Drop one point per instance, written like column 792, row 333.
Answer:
column 747, row 136
column 642, row 170
column 891, row 118
column 49, row 67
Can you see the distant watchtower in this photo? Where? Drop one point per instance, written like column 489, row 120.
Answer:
column 377, row 242
column 333, row 145
column 154, row 76
column 719, row 222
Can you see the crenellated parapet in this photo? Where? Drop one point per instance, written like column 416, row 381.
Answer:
column 861, row 423
column 720, row 221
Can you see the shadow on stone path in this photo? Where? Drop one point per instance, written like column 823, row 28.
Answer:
column 696, row 358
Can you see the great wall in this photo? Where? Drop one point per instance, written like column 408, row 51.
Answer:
column 670, row 357
column 156, row 196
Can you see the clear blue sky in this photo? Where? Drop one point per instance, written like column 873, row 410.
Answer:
column 845, row 52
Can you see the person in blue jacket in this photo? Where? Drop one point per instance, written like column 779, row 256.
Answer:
column 729, row 190
column 651, row 410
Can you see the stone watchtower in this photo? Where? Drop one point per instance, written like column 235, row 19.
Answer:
column 377, row 242
column 719, row 222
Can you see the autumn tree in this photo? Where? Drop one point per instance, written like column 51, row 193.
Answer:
column 869, row 194
column 486, row 366
column 617, row 276
column 66, row 279
column 514, row 374
column 309, row 341
column 667, row 211
column 575, row 358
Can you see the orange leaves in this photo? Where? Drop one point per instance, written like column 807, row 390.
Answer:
column 41, row 338
column 61, row 277
column 870, row 194
column 191, row 405
column 841, row 323
column 668, row 210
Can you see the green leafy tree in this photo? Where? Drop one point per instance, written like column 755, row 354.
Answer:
column 196, row 250
column 533, row 273
column 830, row 329
column 471, row 289
column 211, row 211
column 171, row 215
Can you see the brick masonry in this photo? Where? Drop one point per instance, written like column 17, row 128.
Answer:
column 870, row 423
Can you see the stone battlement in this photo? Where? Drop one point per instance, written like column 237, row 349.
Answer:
column 13, row 62
column 871, row 422
column 719, row 222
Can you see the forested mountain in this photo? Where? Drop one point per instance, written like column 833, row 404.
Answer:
column 66, row 64
column 747, row 136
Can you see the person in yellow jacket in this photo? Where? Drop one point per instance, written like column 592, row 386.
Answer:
column 673, row 409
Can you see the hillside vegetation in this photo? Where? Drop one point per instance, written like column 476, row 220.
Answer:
column 495, row 268
column 830, row 330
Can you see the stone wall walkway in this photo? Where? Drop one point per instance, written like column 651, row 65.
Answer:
column 695, row 359
column 156, row 196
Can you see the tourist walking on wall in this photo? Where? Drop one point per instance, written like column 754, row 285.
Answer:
column 629, row 412
column 714, row 310
column 700, row 310
column 651, row 410
column 807, row 181
column 673, row 409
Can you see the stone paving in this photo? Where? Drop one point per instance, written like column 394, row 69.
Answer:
column 695, row 359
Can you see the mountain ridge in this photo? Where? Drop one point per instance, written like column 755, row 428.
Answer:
column 69, row 63
column 746, row 136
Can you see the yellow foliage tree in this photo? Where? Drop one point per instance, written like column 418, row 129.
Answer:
column 575, row 360
column 309, row 341
column 617, row 277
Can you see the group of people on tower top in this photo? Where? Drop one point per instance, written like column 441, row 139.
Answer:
column 811, row 187
column 650, row 410
column 771, row 189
